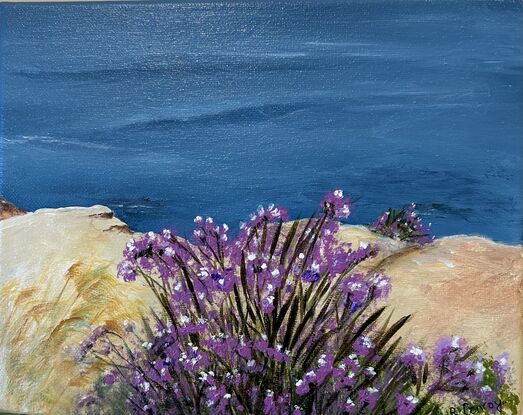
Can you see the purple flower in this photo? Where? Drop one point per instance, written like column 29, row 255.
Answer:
column 363, row 346
column 369, row 396
column 414, row 356
column 501, row 367
column 302, row 387
column 336, row 206
column 381, row 285
column 109, row 378
column 350, row 406
column 216, row 277
column 310, row 276
column 86, row 400
column 356, row 286
column 406, row 404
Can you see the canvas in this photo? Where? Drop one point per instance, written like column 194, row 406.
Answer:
column 378, row 145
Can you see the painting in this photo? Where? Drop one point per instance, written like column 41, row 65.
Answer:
column 267, row 207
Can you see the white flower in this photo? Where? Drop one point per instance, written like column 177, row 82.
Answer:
column 301, row 255
column 150, row 234
column 322, row 361
column 416, row 351
column 178, row 286
column 145, row 386
column 370, row 371
column 251, row 363
column 270, row 299
column 412, row 399
column 367, row 342
column 251, row 257
column 209, row 220
column 455, row 342
column 227, row 396
column 478, row 366
column 349, row 402
column 275, row 272
column 380, row 282
column 299, row 383
column 372, row 390
column 310, row 374
column 198, row 219
column 338, row 193
column 147, row 345
column 185, row 319
column 198, row 233
column 364, row 245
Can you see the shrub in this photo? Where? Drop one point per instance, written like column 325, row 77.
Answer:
column 403, row 224
column 274, row 321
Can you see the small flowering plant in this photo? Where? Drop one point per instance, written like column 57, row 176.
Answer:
column 403, row 224
column 274, row 321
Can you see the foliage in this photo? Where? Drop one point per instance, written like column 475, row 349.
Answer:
column 403, row 224
column 274, row 321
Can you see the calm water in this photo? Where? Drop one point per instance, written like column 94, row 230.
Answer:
column 167, row 110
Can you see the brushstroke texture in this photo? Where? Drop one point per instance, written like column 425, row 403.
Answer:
column 57, row 280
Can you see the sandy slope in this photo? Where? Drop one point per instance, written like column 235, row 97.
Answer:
column 57, row 280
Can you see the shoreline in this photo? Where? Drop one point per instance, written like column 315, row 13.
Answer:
column 13, row 211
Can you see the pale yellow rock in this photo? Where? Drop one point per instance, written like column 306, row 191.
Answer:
column 57, row 281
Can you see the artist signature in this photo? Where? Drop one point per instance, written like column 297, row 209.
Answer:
column 467, row 408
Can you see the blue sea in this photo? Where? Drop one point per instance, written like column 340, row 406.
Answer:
column 165, row 110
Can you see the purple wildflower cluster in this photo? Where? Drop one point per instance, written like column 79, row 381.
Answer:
column 456, row 369
column 273, row 321
column 403, row 224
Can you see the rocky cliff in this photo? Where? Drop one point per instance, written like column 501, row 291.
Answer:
column 57, row 280
column 8, row 210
